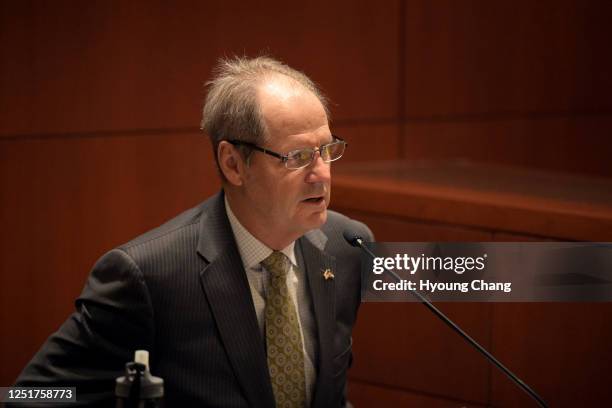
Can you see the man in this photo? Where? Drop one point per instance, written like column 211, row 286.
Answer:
column 248, row 299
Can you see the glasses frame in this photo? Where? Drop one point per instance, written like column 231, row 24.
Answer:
column 284, row 158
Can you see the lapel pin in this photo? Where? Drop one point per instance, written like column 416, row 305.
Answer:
column 328, row 274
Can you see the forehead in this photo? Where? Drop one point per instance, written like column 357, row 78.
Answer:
column 292, row 113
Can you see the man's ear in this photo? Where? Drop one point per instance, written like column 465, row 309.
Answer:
column 231, row 163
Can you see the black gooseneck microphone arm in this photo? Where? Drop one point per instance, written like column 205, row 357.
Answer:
column 356, row 241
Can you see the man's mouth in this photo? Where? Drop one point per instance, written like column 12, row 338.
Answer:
column 314, row 200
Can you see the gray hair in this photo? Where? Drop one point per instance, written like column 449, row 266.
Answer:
column 231, row 110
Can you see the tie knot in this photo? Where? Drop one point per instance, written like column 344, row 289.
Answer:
column 277, row 264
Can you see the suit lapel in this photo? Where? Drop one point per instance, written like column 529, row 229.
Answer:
column 322, row 292
column 227, row 290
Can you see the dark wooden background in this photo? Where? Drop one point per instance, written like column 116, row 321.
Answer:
column 99, row 141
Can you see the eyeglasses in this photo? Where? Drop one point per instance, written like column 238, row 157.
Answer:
column 300, row 158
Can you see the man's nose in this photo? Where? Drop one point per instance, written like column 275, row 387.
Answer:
column 319, row 171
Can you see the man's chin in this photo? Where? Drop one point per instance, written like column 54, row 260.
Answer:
column 317, row 219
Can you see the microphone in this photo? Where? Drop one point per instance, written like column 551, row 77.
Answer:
column 354, row 239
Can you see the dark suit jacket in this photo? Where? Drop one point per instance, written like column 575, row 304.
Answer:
column 181, row 292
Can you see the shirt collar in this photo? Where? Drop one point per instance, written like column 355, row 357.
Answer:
column 252, row 251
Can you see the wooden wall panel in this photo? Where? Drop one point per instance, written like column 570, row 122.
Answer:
column 477, row 57
column 369, row 141
column 66, row 201
column 72, row 66
column 373, row 395
column 566, row 144
column 500, row 236
column 514, row 82
column 403, row 345
column 561, row 349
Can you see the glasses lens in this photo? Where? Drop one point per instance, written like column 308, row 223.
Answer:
column 299, row 158
column 332, row 151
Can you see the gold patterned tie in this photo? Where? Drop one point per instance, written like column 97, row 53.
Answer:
column 283, row 338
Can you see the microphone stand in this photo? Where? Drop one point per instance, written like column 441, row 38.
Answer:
column 358, row 242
